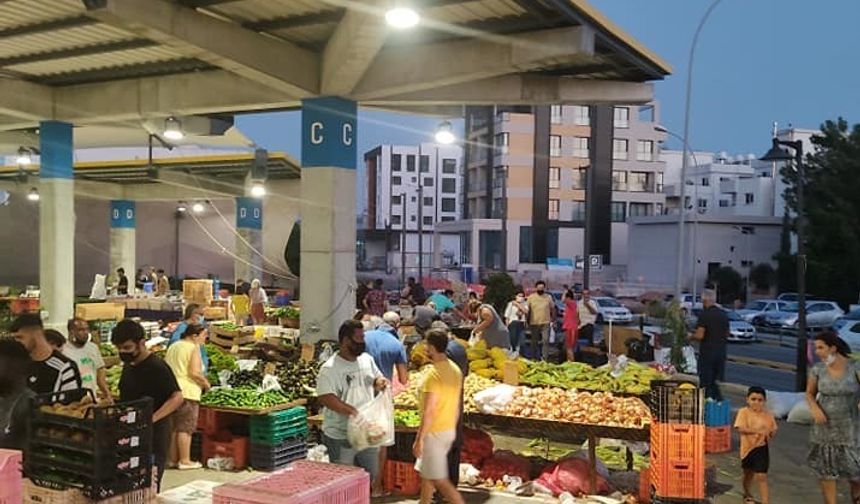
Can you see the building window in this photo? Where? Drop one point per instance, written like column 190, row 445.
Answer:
column 703, row 204
column 395, row 162
column 499, row 176
column 619, row 149
column 413, row 218
column 428, row 221
column 447, row 219
column 555, row 114
column 619, row 180
column 553, row 209
column 449, row 166
column 581, row 115
column 619, row 211
column 395, row 220
column 428, row 182
column 579, row 178
column 424, row 162
column 428, row 201
column 449, row 185
column 706, row 182
column 724, row 203
column 659, row 187
column 525, row 244
column 449, row 205
column 503, row 142
column 410, row 163
column 395, row 180
column 658, row 208
column 750, row 198
column 578, row 211
column 554, row 177
column 640, row 209
column 413, row 199
column 395, row 200
column 555, row 146
column 645, row 150
column 498, row 208
column 640, row 182
column 622, row 117
column 580, row 147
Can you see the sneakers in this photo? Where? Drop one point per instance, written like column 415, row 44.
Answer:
column 189, row 467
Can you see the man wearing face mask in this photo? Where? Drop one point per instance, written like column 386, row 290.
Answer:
column 145, row 375
column 346, row 382
column 193, row 316
column 50, row 371
column 87, row 357
column 541, row 309
column 712, row 332
column 14, row 394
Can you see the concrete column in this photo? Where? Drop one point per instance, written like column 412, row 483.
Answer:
column 249, row 224
column 56, row 223
column 328, row 216
column 123, row 236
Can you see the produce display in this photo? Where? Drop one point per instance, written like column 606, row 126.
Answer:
column 407, row 418
column 477, row 447
column 113, row 374
column 243, row 398
column 474, row 383
column 634, row 379
column 226, row 326
column 408, row 399
column 615, row 457
column 80, row 409
column 598, row 408
column 542, row 448
column 298, row 379
column 108, row 350
column 219, row 360
column 490, row 363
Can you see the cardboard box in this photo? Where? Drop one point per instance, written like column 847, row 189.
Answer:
column 100, row 311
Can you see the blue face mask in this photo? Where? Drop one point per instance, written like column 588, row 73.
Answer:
column 200, row 319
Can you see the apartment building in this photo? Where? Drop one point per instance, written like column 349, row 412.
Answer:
column 410, row 190
column 537, row 177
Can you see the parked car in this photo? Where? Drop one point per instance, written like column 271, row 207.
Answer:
column 790, row 297
column 848, row 318
column 850, row 332
column 610, row 310
column 688, row 306
column 819, row 314
column 760, row 307
column 740, row 330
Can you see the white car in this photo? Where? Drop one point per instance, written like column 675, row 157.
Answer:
column 850, row 332
column 760, row 307
column 819, row 315
column 688, row 306
column 610, row 310
column 849, row 318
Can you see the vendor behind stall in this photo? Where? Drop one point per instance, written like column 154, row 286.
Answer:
column 14, row 394
column 146, row 375
column 491, row 328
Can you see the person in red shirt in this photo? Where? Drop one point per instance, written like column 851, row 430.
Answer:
column 570, row 324
column 376, row 301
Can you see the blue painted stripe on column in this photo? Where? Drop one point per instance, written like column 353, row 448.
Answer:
column 329, row 132
column 55, row 144
column 123, row 214
column 249, row 213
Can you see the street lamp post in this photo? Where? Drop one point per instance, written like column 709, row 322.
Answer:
column 679, row 266
column 777, row 153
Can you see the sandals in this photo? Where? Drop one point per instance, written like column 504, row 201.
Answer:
column 749, row 500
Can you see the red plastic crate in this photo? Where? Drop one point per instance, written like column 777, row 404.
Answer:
column 222, row 445
column 212, row 422
column 679, row 480
column 679, row 442
column 718, row 439
column 301, row 482
column 11, row 478
column 645, row 486
column 401, row 478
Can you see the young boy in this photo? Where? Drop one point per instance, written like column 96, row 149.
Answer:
column 756, row 427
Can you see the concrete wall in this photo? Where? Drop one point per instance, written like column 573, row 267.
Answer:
column 199, row 253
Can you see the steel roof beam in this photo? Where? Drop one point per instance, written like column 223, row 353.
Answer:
column 279, row 64
column 352, row 48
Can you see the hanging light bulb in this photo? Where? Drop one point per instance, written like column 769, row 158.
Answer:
column 173, row 129
column 258, row 189
column 23, row 157
column 197, row 207
column 33, row 195
column 402, row 16
column 181, row 208
column 445, row 133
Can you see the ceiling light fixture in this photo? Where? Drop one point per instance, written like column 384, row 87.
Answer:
column 173, row 129
column 402, row 16
column 33, row 195
column 258, row 189
column 23, row 158
column 445, row 133
column 198, row 207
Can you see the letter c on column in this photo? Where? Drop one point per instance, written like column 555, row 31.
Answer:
column 316, row 133
column 347, row 134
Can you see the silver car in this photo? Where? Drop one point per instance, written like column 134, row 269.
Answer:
column 760, row 307
column 610, row 310
column 850, row 332
column 739, row 329
column 819, row 314
column 849, row 318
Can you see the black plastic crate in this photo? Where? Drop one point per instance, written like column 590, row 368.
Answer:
column 115, row 419
column 402, row 449
column 87, row 441
column 672, row 403
column 267, row 458
column 59, row 478
column 197, row 446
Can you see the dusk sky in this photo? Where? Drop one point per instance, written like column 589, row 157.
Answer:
column 757, row 62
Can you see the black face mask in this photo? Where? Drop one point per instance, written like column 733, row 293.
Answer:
column 540, row 291
column 128, row 357
column 358, row 348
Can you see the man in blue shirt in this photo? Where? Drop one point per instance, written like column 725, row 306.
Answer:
column 442, row 300
column 384, row 345
column 193, row 315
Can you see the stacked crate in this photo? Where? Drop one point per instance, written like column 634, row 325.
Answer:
column 718, row 426
column 105, row 454
column 11, row 481
column 279, row 438
column 677, row 442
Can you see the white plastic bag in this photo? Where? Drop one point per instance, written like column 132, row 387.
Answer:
column 801, row 414
column 494, row 399
column 270, row 382
column 373, row 426
column 326, row 353
column 552, row 334
column 473, row 339
column 781, row 403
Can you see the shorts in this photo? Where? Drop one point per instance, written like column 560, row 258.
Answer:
column 185, row 417
column 340, row 452
column 433, row 464
column 757, row 460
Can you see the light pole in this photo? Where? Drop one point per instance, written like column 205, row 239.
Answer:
column 746, row 231
column 777, row 153
column 680, row 246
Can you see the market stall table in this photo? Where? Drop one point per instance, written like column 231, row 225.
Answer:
column 257, row 412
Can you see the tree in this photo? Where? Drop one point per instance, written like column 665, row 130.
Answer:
column 500, row 290
column 728, row 283
column 832, row 208
column 675, row 334
column 786, row 269
column 762, row 276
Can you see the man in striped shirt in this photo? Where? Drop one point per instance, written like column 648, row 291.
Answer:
column 50, row 370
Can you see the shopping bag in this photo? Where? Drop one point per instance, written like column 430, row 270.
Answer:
column 373, row 426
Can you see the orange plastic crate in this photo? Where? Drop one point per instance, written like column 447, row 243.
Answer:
column 211, row 421
column 645, row 486
column 401, row 478
column 679, row 480
column 681, row 442
column 718, row 439
column 219, row 445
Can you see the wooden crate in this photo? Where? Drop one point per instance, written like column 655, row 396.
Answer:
column 214, row 313
column 198, row 291
column 100, row 311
